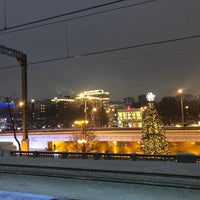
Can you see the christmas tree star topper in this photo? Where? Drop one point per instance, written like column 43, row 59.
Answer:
column 150, row 96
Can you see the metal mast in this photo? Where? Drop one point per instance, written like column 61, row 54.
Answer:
column 22, row 59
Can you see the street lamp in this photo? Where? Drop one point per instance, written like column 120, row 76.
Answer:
column 93, row 116
column 21, row 104
column 180, row 91
column 85, row 110
column 83, row 134
column 82, row 142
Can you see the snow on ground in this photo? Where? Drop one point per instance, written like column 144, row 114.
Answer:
column 92, row 190
column 6, row 195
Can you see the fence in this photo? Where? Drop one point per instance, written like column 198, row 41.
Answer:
column 182, row 157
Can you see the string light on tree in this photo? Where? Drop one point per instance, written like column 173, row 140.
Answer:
column 153, row 137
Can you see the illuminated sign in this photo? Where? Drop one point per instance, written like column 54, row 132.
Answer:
column 6, row 104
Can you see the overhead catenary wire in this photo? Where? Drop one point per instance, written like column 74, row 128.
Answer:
column 14, row 29
column 172, row 40
column 5, row 15
column 66, row 14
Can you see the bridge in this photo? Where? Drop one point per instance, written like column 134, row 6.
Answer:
column 39, row 139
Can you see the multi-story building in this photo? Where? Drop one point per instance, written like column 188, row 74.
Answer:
column 38, row 112
column 50, row 113
column 61, row 112
column 130, row 117
column 96, row 98
column 66, row 101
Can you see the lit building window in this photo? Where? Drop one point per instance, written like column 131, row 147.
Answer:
column 42, row 108
column 129, row 117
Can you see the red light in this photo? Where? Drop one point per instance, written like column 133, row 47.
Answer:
column 128, row 107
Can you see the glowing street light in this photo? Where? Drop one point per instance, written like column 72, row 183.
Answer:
column 94, row 109
column 21, row 103
column 93, row 116
column 82, row 142
column 180, row 91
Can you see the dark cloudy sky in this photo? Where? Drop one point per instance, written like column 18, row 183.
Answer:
column 161, row 68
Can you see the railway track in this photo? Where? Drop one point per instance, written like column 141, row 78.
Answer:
column 153, row 179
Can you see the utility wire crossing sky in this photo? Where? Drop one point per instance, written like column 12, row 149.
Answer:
column 126, row 47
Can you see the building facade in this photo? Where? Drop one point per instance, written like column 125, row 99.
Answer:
column 96, row 98
column 129, row 117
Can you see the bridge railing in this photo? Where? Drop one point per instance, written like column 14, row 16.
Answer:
column 183, row 157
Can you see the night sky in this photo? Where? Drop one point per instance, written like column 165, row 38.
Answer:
column 89, row 41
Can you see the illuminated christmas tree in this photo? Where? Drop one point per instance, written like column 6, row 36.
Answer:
column 153, row 138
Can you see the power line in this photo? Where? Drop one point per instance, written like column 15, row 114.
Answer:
column 6, row 31
column 142, row 45
column 64, row 15
column 109, row 50
column 10, row 67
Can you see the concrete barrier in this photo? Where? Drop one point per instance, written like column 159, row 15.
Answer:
column 134, row 156
column 5, row 152
column 6, row 148
column 97, row 156
column 186, row 157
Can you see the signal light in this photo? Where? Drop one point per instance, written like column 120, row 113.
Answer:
column 128, row 107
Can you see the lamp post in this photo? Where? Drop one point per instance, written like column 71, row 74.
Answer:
column 83, row 138
column 21, row 104
column 93, row 116
column 85, row 110
column 180, row 91
column 82, row 142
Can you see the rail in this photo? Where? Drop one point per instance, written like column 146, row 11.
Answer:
column 181, row 157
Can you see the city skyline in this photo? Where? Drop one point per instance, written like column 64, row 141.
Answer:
column 126, row 99
column 124, row 47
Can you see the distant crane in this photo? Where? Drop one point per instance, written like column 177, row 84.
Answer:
column 22, row 59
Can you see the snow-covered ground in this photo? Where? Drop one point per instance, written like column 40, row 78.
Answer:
column 6, row 195
column 92, row 190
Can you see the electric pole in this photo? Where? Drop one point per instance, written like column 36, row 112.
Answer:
column 22, row 59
